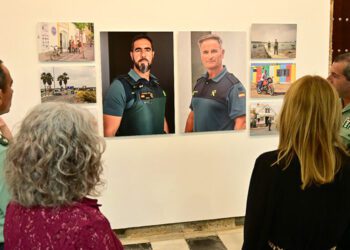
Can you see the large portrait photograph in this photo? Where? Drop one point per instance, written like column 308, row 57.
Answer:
column 276, row 41
column 65, row 42
column 137, row 83
column 216, row 83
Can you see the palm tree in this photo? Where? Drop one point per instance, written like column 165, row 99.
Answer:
column 65, row 79
column 60, row 80
column 49, row 80
column 43, row 78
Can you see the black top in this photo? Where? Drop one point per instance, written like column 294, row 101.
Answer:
column 278, row 210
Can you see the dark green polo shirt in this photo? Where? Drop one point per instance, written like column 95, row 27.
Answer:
column 139, row 102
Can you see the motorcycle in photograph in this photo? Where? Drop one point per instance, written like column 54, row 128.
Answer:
column 267, row 86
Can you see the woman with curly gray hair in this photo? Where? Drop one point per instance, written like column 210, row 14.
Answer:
column 53, row 163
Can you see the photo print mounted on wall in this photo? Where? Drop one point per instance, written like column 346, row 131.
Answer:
column 217, row 81
column 137, row 83
column 75, row 84
column 263, row 118
column 271, row 79
column 277, row 41
column 66, row 42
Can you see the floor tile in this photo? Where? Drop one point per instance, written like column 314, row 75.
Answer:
column 140, row 246
column 233, row 240
column 179, row 244
column 206, row 243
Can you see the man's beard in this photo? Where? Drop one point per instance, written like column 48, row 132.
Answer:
column 143, row 65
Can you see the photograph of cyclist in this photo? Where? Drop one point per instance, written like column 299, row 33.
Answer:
column 66, row 42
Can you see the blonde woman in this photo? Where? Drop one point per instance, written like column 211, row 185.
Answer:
column 53, row 164
column 299, row 194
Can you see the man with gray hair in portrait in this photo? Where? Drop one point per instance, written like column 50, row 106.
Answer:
column 218, row 98
column 339, row 77
column 5, row 135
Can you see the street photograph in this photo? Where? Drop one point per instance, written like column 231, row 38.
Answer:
column 65, row 42
column 68, row 84
column 263, row 118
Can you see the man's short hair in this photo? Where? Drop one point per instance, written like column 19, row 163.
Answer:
column 344, row 58
column 2, row 78
column 209, row 37
column 138, row 37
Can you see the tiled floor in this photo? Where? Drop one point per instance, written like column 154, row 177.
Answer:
column 220, row 240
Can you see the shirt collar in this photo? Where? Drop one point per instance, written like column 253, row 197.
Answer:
column 132, row 73
column 219, row 76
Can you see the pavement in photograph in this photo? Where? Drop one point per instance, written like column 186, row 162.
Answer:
column 87, row 54
column 59, row 98
column 261, row 51
column 280, row 90
column 264, row 131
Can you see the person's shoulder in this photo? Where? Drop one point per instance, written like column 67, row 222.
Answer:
column 200, row 82
column 267, row 158
column 116, row 86
column 232, row 78
column 118, row 79
column 86, row 204
column 201, row 79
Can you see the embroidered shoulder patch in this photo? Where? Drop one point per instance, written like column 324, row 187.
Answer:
column 241, row 94
column 346, row 123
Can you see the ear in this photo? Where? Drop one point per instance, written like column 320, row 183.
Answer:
column 1, row 96
column 223, row 52
column 132, row 59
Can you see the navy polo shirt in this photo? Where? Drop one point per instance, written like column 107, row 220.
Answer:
column 217, row 102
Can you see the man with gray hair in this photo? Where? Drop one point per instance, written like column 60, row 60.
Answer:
column 5, row 134
column 340, row 78
column 218, row 98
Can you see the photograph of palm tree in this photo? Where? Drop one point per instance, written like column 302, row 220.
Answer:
column 68, row 84
column 65, row 42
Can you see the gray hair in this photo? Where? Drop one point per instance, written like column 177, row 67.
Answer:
column 55, row 158
column 209, row 37
column 344, row 58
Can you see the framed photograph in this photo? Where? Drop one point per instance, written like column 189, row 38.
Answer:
column 270, row 80
column 137, row 83
column 276, row 41
column 216, row 99
column 65, row 42
column 263, row 118
column 68, row 84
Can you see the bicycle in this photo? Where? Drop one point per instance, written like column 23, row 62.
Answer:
column 56, row 53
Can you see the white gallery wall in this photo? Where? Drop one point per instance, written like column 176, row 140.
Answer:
column 165, row 179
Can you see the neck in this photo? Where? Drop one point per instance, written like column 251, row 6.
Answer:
column 145, row 75
column 214, row 72
column 346, row 101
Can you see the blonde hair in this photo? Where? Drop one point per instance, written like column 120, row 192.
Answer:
column 55, row 158
column 309, row 127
